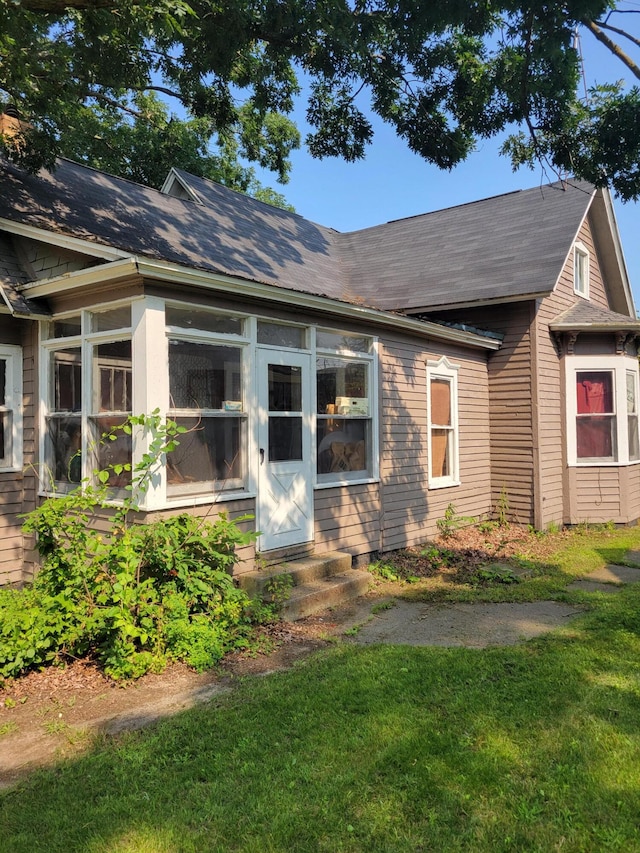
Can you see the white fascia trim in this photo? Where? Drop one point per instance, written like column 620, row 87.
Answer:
column 573, row 242
column 481, row 303
column 74, row 244
column 110, row 272
column 617, row 244
column 165, row 271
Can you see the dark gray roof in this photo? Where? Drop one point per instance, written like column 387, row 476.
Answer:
column 504, row 247
column 508, row 246
column 586, row 315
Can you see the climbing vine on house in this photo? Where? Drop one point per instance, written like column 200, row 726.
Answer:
column 133, row 597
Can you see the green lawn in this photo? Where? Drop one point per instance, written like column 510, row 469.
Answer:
column 527, row 748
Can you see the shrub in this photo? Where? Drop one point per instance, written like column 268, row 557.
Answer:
column 134, row 598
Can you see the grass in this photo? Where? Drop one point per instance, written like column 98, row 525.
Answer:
column 528, row 748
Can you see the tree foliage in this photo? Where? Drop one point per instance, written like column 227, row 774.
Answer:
column 443, row 74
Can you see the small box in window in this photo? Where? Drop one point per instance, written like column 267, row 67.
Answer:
column 232, row 405
column 352, row 405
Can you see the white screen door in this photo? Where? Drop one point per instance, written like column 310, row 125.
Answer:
column 285, row 479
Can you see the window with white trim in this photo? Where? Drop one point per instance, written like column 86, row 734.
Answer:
column 602, row 399
column 581, row 270
column 10, row 407
column 442, row 415
column 206, row 397
column 88, row 374
column 344, row 407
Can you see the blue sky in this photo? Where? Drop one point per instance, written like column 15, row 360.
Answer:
column 392, row 183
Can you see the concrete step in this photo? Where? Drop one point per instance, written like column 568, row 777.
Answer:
column 301, row 570
column 317, row 595
column 307, row 584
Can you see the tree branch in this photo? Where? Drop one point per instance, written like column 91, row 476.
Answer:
column 58, row 7
column 612, row 46
column 620, row 32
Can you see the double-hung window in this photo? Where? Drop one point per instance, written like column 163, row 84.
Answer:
column 344, row 407
column 603, row 410
column 10, row 408
column 442, row 412
column 206, row 398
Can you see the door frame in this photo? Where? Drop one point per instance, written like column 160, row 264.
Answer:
column 301, row 471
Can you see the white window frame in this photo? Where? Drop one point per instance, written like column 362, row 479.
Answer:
column 581, row 270
column 11, row 355
column 444, row 370
column 618, row 366
column 370, row 358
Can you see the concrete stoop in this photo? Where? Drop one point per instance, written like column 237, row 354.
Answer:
column 307, row 584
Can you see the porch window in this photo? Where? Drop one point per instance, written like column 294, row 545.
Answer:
column 442, row 379
column 111, row 406
column 10, row 408
column 632, row 415
column 63, row 436
column 206, row 397
column 343, row 414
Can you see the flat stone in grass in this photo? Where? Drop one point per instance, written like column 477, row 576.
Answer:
column 594, row 586
column 633, row 557
column 614, row 575
column 472, row 625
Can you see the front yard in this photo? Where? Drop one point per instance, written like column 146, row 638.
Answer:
column 534, row 747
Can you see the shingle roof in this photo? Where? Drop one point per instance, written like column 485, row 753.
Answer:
column 585, row 315
column 503, row 247
column 12, row 275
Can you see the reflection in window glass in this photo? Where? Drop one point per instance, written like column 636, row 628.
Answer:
column 342, row 386
column 112, row 377
column 596, row 421
column 203, row 320
column 285, row 388
column 66, row 378
column 285, row 439
column 67, row 328
column 63, row 449
column 207, row 456
column 333, row 341
column 342, row 445
column 632, row 416
column 116, row 318
column 280, row 335
column 204, row 376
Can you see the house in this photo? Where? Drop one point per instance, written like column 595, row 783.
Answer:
column 344, row 389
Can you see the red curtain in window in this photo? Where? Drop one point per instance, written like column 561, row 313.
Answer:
column 594, row 397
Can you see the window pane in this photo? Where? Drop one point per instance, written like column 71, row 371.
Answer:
column 596, row 437
column 62, row 453
column 5, row 437
column 106, row 321
column 112, row 377
column 3, row 382
column 279, row 335
column 342, row 445
column 66, row 328
column 109, row 453
column 203, row 320
column 208, row 453
column 342, row 386
column 440, row 453
column 66, row 379
column 285, row 388
column 595, row 392
column 204, row 376
column 331, row 340
column 634, row 445
column 285, row 439
column 441, row 402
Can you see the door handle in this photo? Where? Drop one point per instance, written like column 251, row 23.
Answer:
column 262, row 455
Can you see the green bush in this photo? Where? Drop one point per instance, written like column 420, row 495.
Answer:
column 133, row 598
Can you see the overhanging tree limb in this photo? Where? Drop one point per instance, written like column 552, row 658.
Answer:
column 612, row 46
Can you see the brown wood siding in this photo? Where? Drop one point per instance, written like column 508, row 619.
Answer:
column 510, row 404
column 595, row 495
column 410, row 509
column 630, row 489
column 597, row 288
column 348, row 518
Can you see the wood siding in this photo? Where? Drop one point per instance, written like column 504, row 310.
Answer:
column 510, row 406
column 348, row 518
column 595, row 495
column 410, row 509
